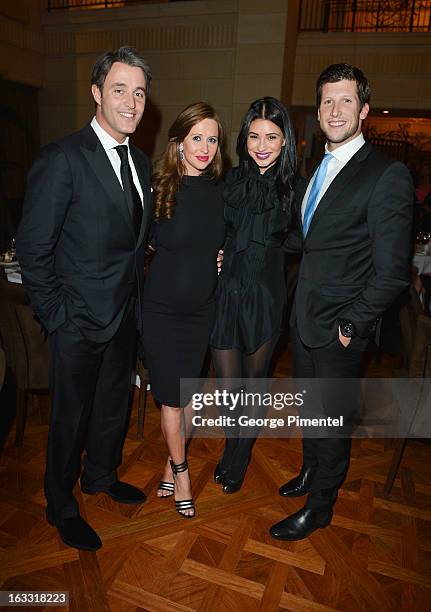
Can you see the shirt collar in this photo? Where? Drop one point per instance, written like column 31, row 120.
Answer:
column 106, row 139
column 344, row 153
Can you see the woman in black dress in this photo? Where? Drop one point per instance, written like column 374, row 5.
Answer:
column 251, row 295
column 178, row 305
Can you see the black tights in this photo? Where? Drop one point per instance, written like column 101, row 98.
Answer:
column 234, row 364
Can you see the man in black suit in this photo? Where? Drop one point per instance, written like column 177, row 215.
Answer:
column 81, row 249
column 355, row 227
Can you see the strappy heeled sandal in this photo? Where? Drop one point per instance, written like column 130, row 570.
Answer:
column 185, row 504
column 164, row 485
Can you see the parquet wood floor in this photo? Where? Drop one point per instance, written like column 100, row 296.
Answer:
column 375, row 556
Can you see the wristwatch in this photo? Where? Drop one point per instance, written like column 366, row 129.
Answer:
column 347, row 329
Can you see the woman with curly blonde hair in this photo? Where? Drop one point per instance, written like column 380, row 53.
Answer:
column 178, row 306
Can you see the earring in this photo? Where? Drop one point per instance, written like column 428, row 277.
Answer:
column 181, row 150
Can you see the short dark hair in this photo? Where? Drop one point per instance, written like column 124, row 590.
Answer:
column 124, row 55
column 338, row 72
column 273, row 110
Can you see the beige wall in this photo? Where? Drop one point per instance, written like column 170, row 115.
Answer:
column 398, row 65
column 227, row 52
column 21, row 73
column 21, row 42
column 258, row 56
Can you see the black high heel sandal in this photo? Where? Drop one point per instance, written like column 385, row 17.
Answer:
column 185, row 504
column 164, row 485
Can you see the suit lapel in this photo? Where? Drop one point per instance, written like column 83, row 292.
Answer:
column 340, row 182
column 146, row 190
column 99, row 162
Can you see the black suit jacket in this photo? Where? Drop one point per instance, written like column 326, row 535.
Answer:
column 356, row 255
column 76, row 245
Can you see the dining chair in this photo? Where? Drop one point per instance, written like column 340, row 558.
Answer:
column 26, row 349
column 426, row 283
column 2, row 367
column 420, row 367
column 408, row 317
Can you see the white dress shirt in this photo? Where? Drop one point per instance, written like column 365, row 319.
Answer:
column 340, row 157
column 109, row 144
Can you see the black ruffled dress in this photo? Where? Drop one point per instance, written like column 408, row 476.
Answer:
column 251, row 292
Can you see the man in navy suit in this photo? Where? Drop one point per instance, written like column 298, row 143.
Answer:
column 354, row 222
column 81, row 249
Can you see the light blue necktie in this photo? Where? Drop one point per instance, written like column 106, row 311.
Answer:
column 314, row 192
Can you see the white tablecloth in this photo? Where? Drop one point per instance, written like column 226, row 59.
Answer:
column 13, row 272
column 14, row 277
column 422, row 263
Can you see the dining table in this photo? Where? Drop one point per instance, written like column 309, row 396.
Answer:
column 12, row 272
column 421, row 260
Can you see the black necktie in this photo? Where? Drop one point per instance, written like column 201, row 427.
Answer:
column 132, row 196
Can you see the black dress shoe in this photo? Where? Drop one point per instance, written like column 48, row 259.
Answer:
column 299, row 525
column 76, row 532
column 300, row 485
column 232, row 481
column 226, row 459
column 219, row 474
column 231, row 486
column 119, row 491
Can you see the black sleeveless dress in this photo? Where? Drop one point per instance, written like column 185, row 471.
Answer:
column 179, row 291
column 251, row 292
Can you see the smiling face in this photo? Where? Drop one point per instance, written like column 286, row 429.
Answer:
column 264, row 143
column 121, row 103
column 200, row 146
column 339, row 114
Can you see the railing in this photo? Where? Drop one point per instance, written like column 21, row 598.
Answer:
column 397, row 149
column 99, row 4
column 365, row 15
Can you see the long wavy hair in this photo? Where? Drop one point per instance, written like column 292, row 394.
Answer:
column 170, row 169
column 273, row 110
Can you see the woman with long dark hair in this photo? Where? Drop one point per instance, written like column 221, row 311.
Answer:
column 178, row 306
column 251, row 295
